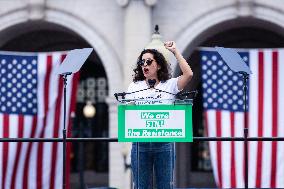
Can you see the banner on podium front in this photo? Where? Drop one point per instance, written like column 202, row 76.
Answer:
column 155, row 123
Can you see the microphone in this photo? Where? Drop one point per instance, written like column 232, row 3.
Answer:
column 120, row 94
column 151, row 82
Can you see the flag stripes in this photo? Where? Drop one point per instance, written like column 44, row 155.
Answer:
column 265, row 158
column 29, row 165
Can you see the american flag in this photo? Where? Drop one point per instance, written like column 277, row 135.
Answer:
column 223, row 103
column 31, row 106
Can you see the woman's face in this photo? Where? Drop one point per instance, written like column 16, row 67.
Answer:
column 150, row 66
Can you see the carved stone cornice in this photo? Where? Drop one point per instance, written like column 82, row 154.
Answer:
column 125, row 3
column 36, row 9
column 245, row 7
column 122, row 3
column 151, row 2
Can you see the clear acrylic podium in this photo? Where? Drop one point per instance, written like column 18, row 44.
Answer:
column 167, row 120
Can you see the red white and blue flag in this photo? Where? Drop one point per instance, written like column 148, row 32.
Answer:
column 31, row 106
column 223, row 103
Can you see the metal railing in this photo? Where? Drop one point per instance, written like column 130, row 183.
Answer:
column 116, row 139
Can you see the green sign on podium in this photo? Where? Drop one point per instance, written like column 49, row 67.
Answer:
column 155, row 123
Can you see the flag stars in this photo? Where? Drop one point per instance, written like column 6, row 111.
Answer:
column 209, row 62
column 9, row 75
column 240, row 93
column 14, row 71
column 19, row 66
column 225, row 96
column 3, row 99
column 3, row 71
column 225, row 87
column 19, row 104
column 24, row 80
column 34, row 62
column 240, row 102
column 225, row 77
column 24, row 71
column 240, row 83
column 220, row 72
column 24, row 109
column 225, row 68
column 209, row 72
column 9, row 85
column 19, row 76
column 24, row 90
column 210, row 100
column 204, row 77
column 19, row 86
column 204, row 58
column 220, row 91
column 24, row 99
column 205, row 104
column 214, row 58
column 209, row 91
column 9, row 104
column 9, row 66
column 235, row 78
column 209, row 81
column 220, row 81
column 19, row 95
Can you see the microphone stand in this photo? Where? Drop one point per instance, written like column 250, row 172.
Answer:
column 64, row 77
column 245, row 78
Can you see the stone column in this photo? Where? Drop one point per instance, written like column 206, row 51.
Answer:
column 137, row 33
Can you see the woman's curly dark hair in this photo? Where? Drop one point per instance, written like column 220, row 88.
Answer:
column 163, row 73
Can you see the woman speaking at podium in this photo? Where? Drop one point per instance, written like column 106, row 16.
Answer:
column 153, row 72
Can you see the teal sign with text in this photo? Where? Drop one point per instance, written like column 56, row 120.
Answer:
column 155, row 123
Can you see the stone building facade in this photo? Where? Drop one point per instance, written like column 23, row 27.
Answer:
column 119, row 29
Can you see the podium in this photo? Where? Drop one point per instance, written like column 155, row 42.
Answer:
column 164, row 121
column 154, row 120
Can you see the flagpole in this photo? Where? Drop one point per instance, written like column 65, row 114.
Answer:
column 64, row 77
